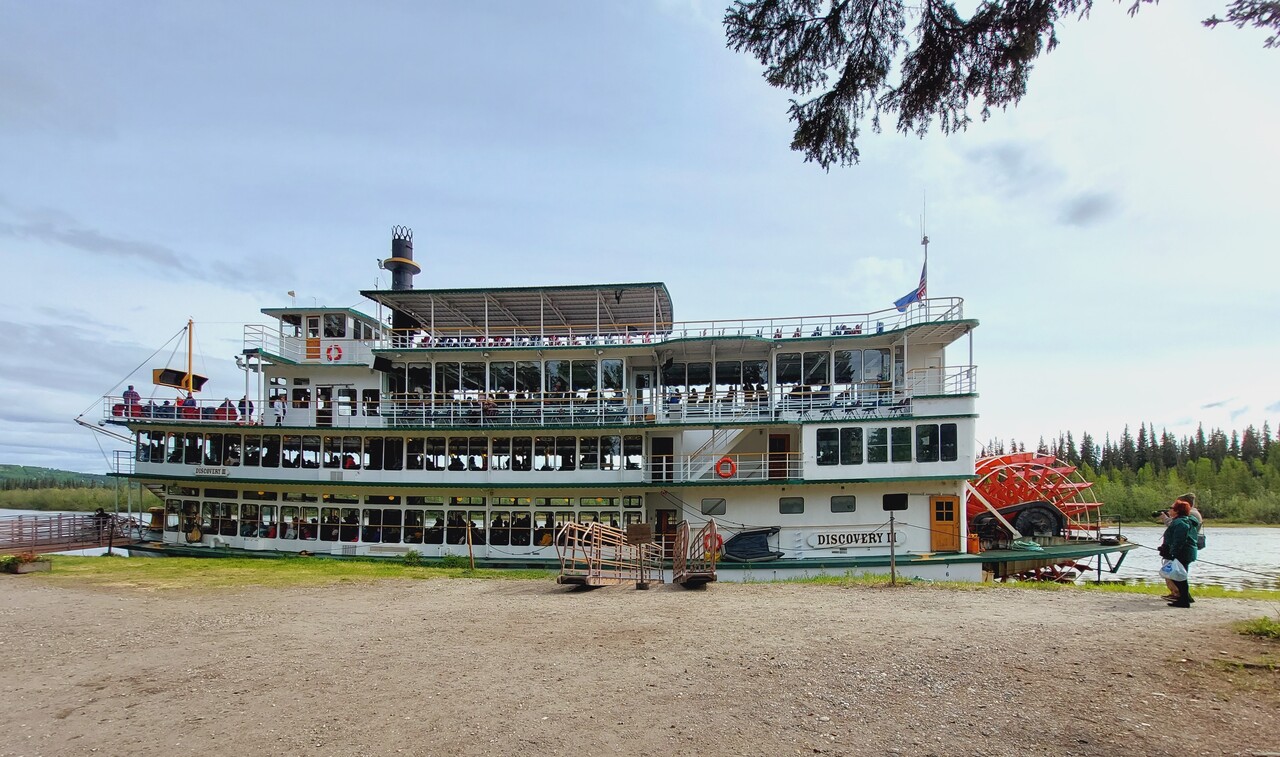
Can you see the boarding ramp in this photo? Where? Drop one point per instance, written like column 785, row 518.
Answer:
column 693, row 558
column 595, row 554
column 63, row 532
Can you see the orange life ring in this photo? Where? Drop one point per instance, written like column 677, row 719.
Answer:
column 726, row 467
column 712, row 543
column 333, row 353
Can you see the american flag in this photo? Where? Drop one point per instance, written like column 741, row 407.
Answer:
column 917, row 295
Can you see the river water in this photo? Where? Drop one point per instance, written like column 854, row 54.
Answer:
column 1237, row 557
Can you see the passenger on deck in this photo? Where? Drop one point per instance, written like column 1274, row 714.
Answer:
column 245, row 406
column 278, row 408
column 455, row 463
column 131, row 396
column 189, row 409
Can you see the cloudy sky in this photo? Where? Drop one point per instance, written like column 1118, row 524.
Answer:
column 1114, row 233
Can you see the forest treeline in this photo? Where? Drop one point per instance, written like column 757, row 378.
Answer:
column 1235, row 476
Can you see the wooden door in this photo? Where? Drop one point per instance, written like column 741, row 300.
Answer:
column 668, row 520
column 779, row 455
column 945, row 527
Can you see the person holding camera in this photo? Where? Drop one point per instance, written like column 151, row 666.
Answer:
column 1179, row 543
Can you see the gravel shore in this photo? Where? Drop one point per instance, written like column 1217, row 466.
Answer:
column 479, row 667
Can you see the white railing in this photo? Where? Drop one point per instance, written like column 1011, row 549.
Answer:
column 936, row 310
column 327, row 351
column 946, row 380
column 760, row 466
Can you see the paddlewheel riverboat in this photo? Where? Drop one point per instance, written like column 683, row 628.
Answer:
column 482, row 422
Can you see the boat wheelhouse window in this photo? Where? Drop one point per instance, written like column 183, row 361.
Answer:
column 589, row 452
column 313, row 327
column 900, row 444
column 371, row 401
column 611, row 375
column 257, row 496
column 828, row 446
column 393, row 453
column 949, row 447
column 844, row 503
column 633, row 451
column 878, row 445
column 290, row 523
column 610, row 453
column 414, row 527
column 875, row 365
column 566, row 452
column 790, row 505
column 522, row 453
column 301, row 398
column 341, row 499
column 291, row 451
column 927, row 443
column 291, row 325
column 335, row 326
column 270, row 451
column 633, row 501
column 713, row 506
column 851, row 446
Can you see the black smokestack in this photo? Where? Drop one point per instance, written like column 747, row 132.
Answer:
column 402, row 270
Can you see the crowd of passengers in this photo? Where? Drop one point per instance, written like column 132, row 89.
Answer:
column 631, row 336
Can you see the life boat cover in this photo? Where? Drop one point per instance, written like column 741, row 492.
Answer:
column 751, row 546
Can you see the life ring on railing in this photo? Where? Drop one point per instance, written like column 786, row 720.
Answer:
column 333, row 353
column 726, row 467
column 712, row 543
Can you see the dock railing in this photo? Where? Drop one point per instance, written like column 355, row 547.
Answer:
column 595, row 554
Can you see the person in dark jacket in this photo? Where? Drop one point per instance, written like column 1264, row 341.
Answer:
column 1180, row 544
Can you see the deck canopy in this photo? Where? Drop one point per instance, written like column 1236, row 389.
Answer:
column 594, row 308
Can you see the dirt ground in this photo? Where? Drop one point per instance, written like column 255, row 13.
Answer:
column 478, row 667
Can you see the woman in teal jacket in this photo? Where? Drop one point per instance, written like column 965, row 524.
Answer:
column 1180, row 544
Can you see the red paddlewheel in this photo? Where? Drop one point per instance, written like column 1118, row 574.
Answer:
column 1006, row 480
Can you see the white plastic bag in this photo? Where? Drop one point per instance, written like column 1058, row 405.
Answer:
column 1173, row 570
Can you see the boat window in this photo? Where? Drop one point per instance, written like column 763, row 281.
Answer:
column 713, row 506
column 393, row 453
column 352, row 455
column 414, row 527
column 345, row 401
column 291, row 451
column 435, row 453
column 301, row 398
column 499, row 527
column 589, row 452
column 528, row 376
column 522, row 453
column 298, row 497
column 632, row 517
column 949, row 450
column 610, row 517
column 194, row 449
column 415, row 451
column 544, row 527
column 566, row 449
column 328, row 523
column 557, row 375
column 472, row 379
column 502, row 376
column 699, row 383
column 371, row 401
column 371, row 526
column 252, row 449
column 310, row 527
column 544, row 453
column 291, row 325
column 435, row 527
column 333, row 452
column 848, row 366
column 900, row 444
column 262, row 496
column 828, row 446
column 349, row 529
column 851, row 446
column 633, row 501
column 755, row 371
column 335, row 326
column 268, row 529
column 611, row 375
column 341, row 499
column 815, row 368
column 391, row 525
column 584, row 377
column 374, row 452
column 502, row 453
column 673, row 376
column 927, row 443
column 448, row 379
column 225, row 521
column 789, row 368
column 249, row 521
column 289, row 523
column 610, row 453
column 207, row 510
column 790, row 505
column 220, row 493
column 878, row 445
column 213, row 449
column 521, row 529
column 172, row 507
column 633, row 451
column 875, row 365
column 173, row 447
column 231, row 449
column 844, row 503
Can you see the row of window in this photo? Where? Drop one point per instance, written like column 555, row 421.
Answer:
column 454, row 453
column 934, row 442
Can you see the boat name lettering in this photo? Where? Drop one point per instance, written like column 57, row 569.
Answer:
column 205, row 471
column 851, row 539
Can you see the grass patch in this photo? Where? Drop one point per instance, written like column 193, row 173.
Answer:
column 170, row 573
column 1264, row 627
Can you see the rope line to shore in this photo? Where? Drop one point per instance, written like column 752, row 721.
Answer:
column 1275, row 576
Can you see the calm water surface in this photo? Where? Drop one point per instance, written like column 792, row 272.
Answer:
column 1237, row 558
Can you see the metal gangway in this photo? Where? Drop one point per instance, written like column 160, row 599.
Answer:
column 63, row 532
column 595, row 554
column 693, row 558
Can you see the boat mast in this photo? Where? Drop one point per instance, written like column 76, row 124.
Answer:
column 186, row 380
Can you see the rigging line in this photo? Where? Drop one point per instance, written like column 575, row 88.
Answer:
column 1217, row 564
column 135, row 370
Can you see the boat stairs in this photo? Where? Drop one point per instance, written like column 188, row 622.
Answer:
column 63, row 532
column 596, row 554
